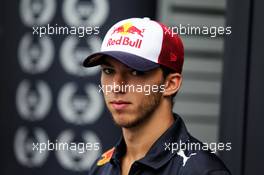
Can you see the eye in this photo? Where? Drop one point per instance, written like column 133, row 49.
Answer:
column 137, row 73
column 108, row 71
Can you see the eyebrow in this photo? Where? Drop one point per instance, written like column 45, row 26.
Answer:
column 106, row 63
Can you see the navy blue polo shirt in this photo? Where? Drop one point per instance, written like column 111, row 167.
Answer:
column 163, row 158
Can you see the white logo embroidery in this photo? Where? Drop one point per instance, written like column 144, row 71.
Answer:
column 184, row 157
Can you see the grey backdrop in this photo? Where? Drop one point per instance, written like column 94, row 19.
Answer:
column 45, row 93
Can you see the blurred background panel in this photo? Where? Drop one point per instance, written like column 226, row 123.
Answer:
column 47, row 94
column 199, row 98
column 242, row 111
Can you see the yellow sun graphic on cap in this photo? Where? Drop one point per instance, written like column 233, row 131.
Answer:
column 126, row 27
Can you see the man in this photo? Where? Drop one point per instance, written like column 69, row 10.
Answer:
column 141, row 62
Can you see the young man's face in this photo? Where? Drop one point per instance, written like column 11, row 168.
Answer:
column 129, row 107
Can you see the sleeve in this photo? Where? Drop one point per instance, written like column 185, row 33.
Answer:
column 93, row 168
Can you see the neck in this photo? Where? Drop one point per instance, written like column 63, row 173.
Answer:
column 140, row 138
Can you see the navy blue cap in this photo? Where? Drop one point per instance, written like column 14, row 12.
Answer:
column 130, row 60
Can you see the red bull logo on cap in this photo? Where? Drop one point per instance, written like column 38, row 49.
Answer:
column 125, row 30
column 128, row 28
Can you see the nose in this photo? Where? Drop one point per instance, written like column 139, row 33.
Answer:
column 119, row 83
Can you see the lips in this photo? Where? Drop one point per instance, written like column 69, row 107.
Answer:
column 119, row 104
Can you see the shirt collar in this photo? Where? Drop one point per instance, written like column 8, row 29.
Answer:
column 157, row 155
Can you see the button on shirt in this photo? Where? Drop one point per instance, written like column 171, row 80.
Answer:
column 166, row 156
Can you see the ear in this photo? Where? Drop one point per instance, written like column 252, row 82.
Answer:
column 172, row 84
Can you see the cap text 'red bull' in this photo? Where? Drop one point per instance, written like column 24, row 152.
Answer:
column 125, row 30
column 125, row 41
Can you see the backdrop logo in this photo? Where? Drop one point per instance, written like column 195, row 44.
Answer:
column 72, row 159
column 35, row 56
column 78, row 13
column 72, row 55
column 23, row 147
column 37, row 12
column 80, row 109
column 33, row 102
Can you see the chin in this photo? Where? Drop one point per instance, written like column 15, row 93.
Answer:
column 124, row 120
